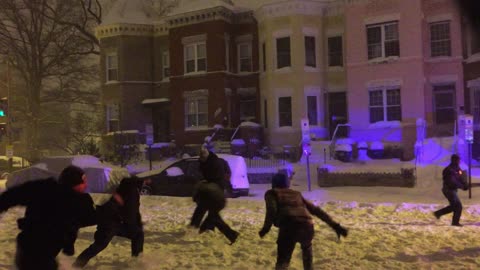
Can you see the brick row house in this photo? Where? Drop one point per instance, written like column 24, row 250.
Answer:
column 379, row 65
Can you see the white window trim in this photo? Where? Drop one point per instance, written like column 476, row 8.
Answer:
column 282, row 69
column 449, row 22
column 227, row 52
column 381, row 19
column 200, row 127
column 384, row 90
column 249, row 44
column 195, row 58
column 107, row 66
column 309, row 68
column 336, row 68
column 439, row 18
column 313, row 91
column 164, row 66
column 383, row 57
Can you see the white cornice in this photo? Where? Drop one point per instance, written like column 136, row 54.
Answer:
column 210, row 14
column 290, row 8
column 124, row 29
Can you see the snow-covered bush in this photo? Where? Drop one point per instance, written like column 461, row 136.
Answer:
column 376, row 150
column 343, row 152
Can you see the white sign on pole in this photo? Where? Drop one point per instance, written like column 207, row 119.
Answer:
column 305, row 130
column 149, row 134
column 468, row 128
column 9, row 151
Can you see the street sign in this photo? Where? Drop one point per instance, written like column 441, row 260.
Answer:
column 305, row 130
column 468, row 128
column 9, row 151
column 149, row 134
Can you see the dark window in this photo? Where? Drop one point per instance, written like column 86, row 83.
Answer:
column 440, row 39
column 444, row 98
column 285, row 111
column 385, row 105
column 310, row 55
column 335, row 52
column 248, row 107
column 312, row 110
column 283, row 52
column 264, row 57
column 383, row 40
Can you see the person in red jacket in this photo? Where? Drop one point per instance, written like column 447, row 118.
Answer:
column 292, row 214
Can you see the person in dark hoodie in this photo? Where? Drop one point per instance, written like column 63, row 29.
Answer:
column 72, row 175
column 452, row 180
column 291, row 213
column 210, row 195
column 119, row 216
column 52, row 210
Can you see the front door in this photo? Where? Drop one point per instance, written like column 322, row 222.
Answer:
column 162, row 124
column 337, row 113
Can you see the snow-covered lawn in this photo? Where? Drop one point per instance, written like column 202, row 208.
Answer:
column 382, row 236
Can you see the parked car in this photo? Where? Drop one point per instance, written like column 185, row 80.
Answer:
column 102, row 178
column 180, row 177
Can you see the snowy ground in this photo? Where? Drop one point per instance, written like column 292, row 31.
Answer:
column 390, row 228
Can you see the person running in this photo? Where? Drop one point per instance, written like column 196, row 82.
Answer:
column 210, row 195
column 52, row 209
column 452, row 180
column 119, row 216
column 288, row 210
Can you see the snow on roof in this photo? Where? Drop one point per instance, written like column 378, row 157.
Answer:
column 249, row 124
column 385, row 124
column 186, row 6
column 130, row 11
column 133, row 131
column 155, row 100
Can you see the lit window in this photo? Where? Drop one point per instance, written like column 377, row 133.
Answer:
column 440, row 39
column 383, row 40
column 195, row 57
column 196, row 112
column 112, row 67
column 384, row 105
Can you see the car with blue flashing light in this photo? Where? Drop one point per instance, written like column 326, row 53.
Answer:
column 179, row 177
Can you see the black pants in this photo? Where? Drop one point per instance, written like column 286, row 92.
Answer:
column 104, row 236
column 212, row 221
column 37, row 250
column 290, row 234
column 455, row 206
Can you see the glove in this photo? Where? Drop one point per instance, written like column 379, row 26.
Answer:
column 341, row 231
column 262, row 233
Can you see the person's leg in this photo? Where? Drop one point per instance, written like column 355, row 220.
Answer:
column 457, row 209
column 101, row 240
column 136, row 237
column 216, row 220
column 306, row 236
column 70, row 238
column 197, row 216
column 285, row 246
column 36, row 252
column 448, row 209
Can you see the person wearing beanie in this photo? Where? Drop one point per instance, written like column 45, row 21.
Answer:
column 452, row 180
column 292, row 214
column 51, row 211
column 209, row 195
column 119, row 216
column 75, row 178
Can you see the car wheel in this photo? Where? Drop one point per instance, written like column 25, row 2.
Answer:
column 146, row 190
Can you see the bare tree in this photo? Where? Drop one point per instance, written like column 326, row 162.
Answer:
column 43, row 52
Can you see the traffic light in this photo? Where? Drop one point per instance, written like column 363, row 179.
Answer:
column 3, row 107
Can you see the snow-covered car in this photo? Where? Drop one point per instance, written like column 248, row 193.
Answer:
column 180, row 177
column 101, row 177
